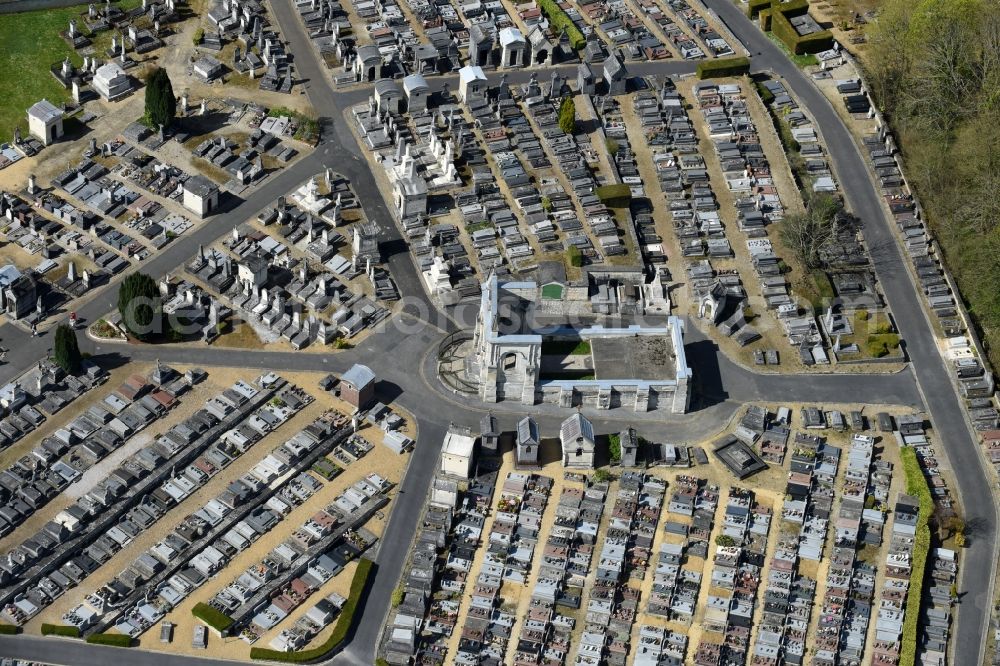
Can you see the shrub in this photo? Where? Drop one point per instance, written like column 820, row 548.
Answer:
column 139, row 305
column 560, row 21
column 721, row 67
column 916, row 486
column 60, row 630
column 615, row 447
column 344, row 622
column 66, row 350
column 725, row 541
column 213, row 617
column 617, row 195
column 798, row 44
column 754, row 7
column 574, row 256
column 199, row 34
column 567, row 115
column 9, row 629
column 113, row 640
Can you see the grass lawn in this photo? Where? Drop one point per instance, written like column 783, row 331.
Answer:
column 29, row 45
column 565, row 347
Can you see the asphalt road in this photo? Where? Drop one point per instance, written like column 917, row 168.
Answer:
column 400, row 357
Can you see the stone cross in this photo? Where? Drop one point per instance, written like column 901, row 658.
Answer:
column 72, row 28
column 92, row 11
column 114, row 43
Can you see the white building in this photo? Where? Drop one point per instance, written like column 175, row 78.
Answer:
column 416, row 89
column 45, row 121
column 201, row 196
column 578, row 444
column 471, row 82
column 457, row 452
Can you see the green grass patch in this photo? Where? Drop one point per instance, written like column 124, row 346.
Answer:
column 60, row 630
column 31, row 45
column 553, row 292
column 916, row 485
column 213, row 617
column 308, row 128
column 565, row 347
column 344, row 622
column 112, row 640
column 559, row 20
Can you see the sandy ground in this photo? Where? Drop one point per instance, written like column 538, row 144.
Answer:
column 769, row 490
column 380, row 460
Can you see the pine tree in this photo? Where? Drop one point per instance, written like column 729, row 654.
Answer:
column 567, row 115
column 140, row 317
column 66, row 351
column 161, row 105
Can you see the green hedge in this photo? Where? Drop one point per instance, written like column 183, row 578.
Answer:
column 559, row 20
column 213, row 617
column 916, row 485
column 617, row 195
column 798, row 44
column 114, row 640
column 721, row 67
column 9, row 629
column 60, row 630
column 344, row 622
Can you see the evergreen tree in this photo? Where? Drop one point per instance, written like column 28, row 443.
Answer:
column 567, row 115
column 161, row 105
column 66, row 351
column 139, row 305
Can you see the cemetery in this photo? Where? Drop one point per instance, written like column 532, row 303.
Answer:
column 525, row 556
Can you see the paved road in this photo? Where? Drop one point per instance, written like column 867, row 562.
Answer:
column 399, row 354
column 933, row 377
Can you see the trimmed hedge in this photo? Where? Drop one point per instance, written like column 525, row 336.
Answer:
column 559, row 20
column 798, row 44
column 721, row 67
column 213, row 617
column 9, row 629
column 617, row 195
column 344, row 622
column 916, row 485
column 114, row 640
column 60, row 630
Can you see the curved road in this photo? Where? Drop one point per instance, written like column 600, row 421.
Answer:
column 402, row 353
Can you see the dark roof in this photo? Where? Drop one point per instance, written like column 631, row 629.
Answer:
column 200, row 186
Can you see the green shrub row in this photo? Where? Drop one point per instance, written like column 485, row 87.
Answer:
column 618, row 194
column 9, row 629
column 721, row 67
column 344, row 622
column 798, row 44
column 916, row 485
column 213, row 617
column 114, row 640
column 60, row 630
column 559, row 20
column 754, row 7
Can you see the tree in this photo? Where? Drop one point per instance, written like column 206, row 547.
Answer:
column 601, row 475
column 65, row 350
column 808, row 233
column 161, row 105
column 567, row 115
column 725, row 541
column 615, row 448
column 139, row 305
column 574, row 256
